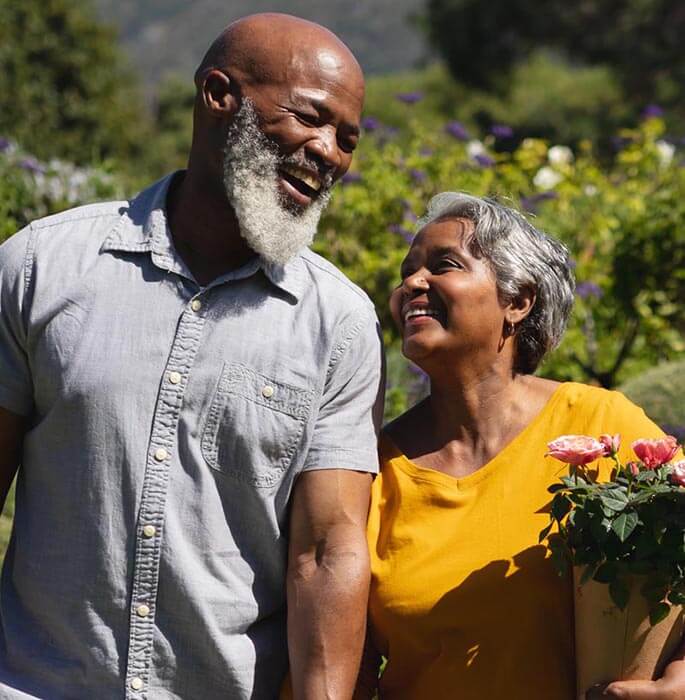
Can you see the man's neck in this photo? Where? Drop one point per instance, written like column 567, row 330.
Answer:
column 204, row 228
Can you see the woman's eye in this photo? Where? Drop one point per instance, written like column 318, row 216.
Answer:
column 449, row 264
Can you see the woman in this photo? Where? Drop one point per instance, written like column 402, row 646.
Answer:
column 464, row 602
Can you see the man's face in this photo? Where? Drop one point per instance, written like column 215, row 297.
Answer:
column 311, row 111
column 287, row 145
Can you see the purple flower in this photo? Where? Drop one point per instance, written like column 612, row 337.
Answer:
column 417, row 175
column 457, row 130
column 652, row 111
column 483, row 160
column 370, row 124
column 501, row 131
column 529, row 204
column 401, row 231
column 410, row 98
column 426, row 152
column 350, row 177
column 4, row 145
column 32, row 165
column 585, row 290
column 678, row 431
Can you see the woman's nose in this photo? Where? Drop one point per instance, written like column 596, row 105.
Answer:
column 418, row 281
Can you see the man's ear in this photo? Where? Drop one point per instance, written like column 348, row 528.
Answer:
column 218, row 94
column 519, row 307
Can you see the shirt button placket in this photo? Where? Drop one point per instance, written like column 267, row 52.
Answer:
column 155, row 483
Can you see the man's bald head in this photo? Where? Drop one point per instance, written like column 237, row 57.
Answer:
column 262, row 48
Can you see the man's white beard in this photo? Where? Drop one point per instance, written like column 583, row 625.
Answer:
column 250, row 180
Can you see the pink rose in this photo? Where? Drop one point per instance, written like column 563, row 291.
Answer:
column 634, row 468
column 575, row 449
column 678, row 473
column 654, row 453
column 611, row 444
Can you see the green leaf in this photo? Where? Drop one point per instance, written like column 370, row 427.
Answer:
column 560, row 506
column 614, row 499
column 619, row 593
column 645, row 476
column 588, row 573
column 624, row 525
column 606, row 573
column 658, row 613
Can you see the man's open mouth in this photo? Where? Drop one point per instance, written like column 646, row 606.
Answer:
column 299, row 183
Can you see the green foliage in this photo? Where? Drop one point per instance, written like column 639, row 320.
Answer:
column 618, row 329
column 660, row 393
column 630, row 526
column 606, row 32
column 30, row 188
column 63, row 89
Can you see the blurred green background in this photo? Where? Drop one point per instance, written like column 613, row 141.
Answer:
column 573, row 111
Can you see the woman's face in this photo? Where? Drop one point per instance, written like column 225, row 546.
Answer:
column 447, row 304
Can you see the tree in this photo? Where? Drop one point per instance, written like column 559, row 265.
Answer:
column 64, row 90
column 640, row 39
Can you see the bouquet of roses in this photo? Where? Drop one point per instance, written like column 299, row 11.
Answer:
column 632, row 524
column 628, row 534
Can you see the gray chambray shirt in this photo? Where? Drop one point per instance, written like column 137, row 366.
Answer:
column 167, row 424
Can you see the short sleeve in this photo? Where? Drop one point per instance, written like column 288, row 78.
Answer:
column 16, row 389
column 630, row 422
column 350, row 414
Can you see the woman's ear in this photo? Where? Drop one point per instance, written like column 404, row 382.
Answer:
column 218, row 94
column 519, row 307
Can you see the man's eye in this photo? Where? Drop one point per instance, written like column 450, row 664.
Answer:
column 307, row 118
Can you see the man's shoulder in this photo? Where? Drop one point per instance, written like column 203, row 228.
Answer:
column 83, row 218
column 334, row 282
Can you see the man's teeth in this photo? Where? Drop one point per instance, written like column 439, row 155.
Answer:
column 419, row 312
column 303, row 175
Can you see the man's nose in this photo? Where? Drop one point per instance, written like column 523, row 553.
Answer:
column 324, row 148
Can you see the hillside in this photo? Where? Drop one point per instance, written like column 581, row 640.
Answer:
column 170, row 36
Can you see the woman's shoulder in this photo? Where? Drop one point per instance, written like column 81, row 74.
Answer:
column 396, row 436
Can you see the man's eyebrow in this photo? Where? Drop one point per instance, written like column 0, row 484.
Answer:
column 325, row 111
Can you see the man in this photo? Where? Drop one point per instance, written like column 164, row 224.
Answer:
column 191, row 394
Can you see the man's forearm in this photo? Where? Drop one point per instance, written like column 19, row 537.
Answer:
column 327, row 600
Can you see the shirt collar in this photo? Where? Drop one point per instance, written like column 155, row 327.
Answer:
column 142, row 228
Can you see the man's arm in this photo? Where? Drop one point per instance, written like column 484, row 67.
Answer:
column 11, row 438
column 328, row 582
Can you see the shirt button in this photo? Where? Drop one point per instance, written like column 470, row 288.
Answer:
column 175, row 377
column 195, row 304
column 149, row 531
column 161, row 454
column 267, row 392
column 136, row 683
column 142, row 610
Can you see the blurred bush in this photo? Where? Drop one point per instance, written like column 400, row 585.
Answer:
column 660, row 392
column 65, row 91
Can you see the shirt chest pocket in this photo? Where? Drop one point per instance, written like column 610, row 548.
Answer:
column 254, row 426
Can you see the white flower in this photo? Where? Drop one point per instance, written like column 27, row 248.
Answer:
column 546, row 178
column 475, row 148
column 665, row 152
column 590, row 190
column 560, row 155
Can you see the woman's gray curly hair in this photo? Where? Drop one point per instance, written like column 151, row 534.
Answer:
column 521, row 257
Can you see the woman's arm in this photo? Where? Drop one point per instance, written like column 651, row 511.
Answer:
column 671, row 686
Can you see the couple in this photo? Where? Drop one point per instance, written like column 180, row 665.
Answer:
column 193, row 397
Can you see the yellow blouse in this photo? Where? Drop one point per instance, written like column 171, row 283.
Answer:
column 464, row 602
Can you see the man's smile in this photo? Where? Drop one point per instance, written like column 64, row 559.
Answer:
column 300, row 184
